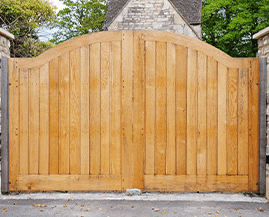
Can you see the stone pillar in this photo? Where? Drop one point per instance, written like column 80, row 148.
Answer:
column 263, row 42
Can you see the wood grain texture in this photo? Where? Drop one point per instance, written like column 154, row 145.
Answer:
column 212, row 116
column 181, row 110
column 34, row 121
column 24, row 121
column 44, row 120
column 192, row 83
column 233, row 122
column 161, row 108
column 150, row 113
column 64, row 114
column 202, row 113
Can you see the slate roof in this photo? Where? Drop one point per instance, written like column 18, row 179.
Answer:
column 190, row 9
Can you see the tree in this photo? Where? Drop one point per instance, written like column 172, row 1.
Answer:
column 230, row 24
column 79, row 17
column 22, row 18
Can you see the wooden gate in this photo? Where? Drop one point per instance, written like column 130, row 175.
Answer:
column 151, row 110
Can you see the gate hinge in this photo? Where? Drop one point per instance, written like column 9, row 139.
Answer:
column 267, row 159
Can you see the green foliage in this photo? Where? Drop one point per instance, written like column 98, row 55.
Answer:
column 230, row 24
column 22, row 18
column 79, row 17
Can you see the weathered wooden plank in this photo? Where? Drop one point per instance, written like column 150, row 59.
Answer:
column 233, row 122
column 150, row 105
column 253, row 168
column 191, row 183
column 171, row 110
column 95, row 98
column 212, row 116
column 54, row 117
column 75, row 110
column 105, row 107
column 115, row 137
column 127, row 73
column 44, row 120
column 64, row 127
column 243, row 122
column 192, row 79
column 14, row 102
column 138, row 113
column 85, row 114
column 161, row 108
column 181, row 110
column 69, row 183
column 222, row 119
column 34, row 121
column 24, row 121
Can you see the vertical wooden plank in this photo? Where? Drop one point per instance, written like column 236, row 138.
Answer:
column 105, row 101
column 14, row 102
column 222, row 119
column 171, row 110
column 253, row 126
column 24, row 121
column 85, row 107
column 127, row 74
column 33, row 121
column 161, row 108
column 138, row 113
column 150, row 113
column 75, row 110
column 5, row 124
column 95, row 105
column 115, row 147
column 202, row 112
column 243, row 122
column 64, row 114
column 181, row 110
column 44, row 120
column 212, row 116
column 192, row 78
column 232, row 122
column 54, row 117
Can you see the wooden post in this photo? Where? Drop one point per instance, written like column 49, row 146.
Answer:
column 262, row 123
column 5, row 126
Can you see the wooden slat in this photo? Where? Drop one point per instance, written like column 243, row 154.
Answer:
column 243, row 122
column 44, row 120
column 181, row 110
column 191, row 183
column 14, row 102
column 115, row 137
column 232, row 122
column 95, row 99
column 85, row 115
column 33, row 121
column 171, row 110
column 127, row 73
column 64, row 105
column 105, row 107
column 54, row 117
column 150, row 113
column 138, row 114
column 75, row 110
column 69, row 183
column 192, row 113
column 202, row 112
column 222, row 119
column 253, row 126
column 212, row 116
column 24, row 121
column 161, row 108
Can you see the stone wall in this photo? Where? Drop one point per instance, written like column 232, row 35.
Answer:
column 153, row 15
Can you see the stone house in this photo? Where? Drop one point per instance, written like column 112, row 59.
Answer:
column 179, row 16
